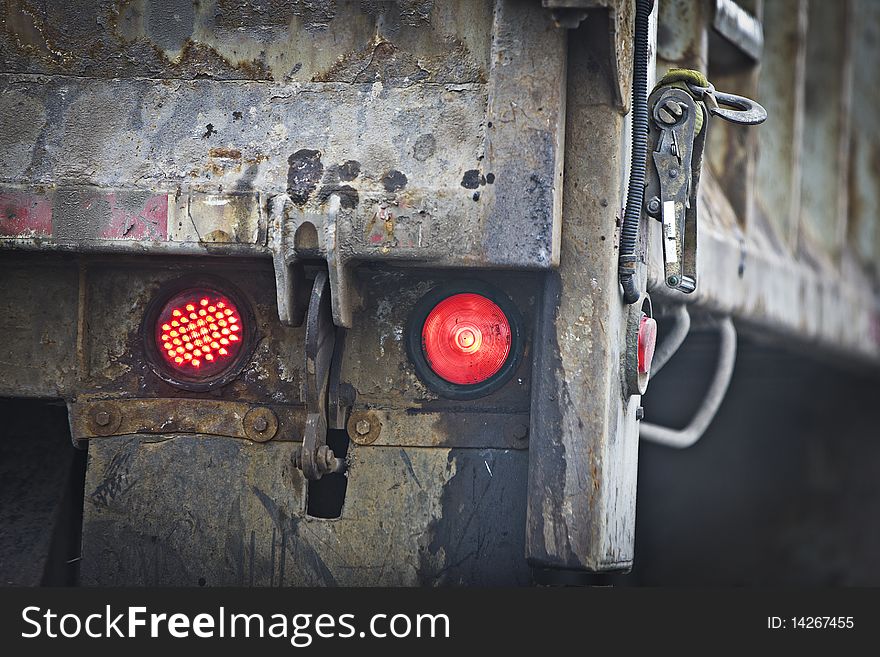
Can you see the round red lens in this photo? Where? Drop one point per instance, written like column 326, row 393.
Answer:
column 199, row 332
column 466, row 339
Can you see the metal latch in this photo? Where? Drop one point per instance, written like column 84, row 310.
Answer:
column 679, row 123
column 316, row 458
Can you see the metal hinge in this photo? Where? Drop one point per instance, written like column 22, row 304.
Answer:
column 316, row 458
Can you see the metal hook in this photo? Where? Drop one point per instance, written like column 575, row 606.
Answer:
column 745, row 110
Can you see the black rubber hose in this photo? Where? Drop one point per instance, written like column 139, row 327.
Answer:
column 632, row 216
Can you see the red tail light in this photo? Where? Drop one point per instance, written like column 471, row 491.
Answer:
column 466, row 339
column 647, row 342
column 196, row 335
column 199, row 332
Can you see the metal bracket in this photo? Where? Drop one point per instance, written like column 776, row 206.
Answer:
column 677, row 154
column 677, row 137
column 98, row 418
column 297, row 236
column 316, row 459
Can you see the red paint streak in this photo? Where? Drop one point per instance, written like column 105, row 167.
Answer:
column 24, row 214
column 148, row 223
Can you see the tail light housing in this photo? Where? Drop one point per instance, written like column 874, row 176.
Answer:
column 198, row 333
column 465, row 339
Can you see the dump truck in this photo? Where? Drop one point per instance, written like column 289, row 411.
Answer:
column 368, row 293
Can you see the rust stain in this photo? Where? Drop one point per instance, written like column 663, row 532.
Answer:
column 226, row 153
column 383, row 61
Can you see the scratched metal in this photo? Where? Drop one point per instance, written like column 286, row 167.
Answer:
column 583, row 439
column 38, row 322
column 117, row 296
column 412, row 516
column 428, row 114
column 285, row 41
column 378, row 339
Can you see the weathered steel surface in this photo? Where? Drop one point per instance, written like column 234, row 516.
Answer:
column 682, row 39
column 825, row 160
column 417, row 428
column 740, row 27
column 621, row 14
column 864, row 182
column 781, row 91
column 113, row 358
column 413, row 516
column 378, row 339
column 744, row 275
column 408, row 144
column 38, row 322
column 295, row 41
column 197, row 416
column 583, row 445
column 788, row 269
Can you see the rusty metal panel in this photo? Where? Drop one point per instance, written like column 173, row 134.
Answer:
column 583, row 445
column 38, row 319
column 682, row 37
column 413, row 516
column 787, row 271
column 524, row 139
column 378, row 338
column 743, row 275
column 826, row 141
column 231, row 419
column 621, row 16
column 864, row 182
column 90, row 219
column 386, row 386
column 427, row 118
column 25, row 215
column 117, row 296
column 781, row 91
column 285, row 41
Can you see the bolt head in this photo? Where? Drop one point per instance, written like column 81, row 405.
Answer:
column 520, row 431
column 363, row 427
column 102, row 418
column 665, row 116
column 654, row 205
column 260, row 424
column 673, row 107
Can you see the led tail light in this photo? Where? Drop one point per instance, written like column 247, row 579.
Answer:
column 197, row 335
column 465, row 342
